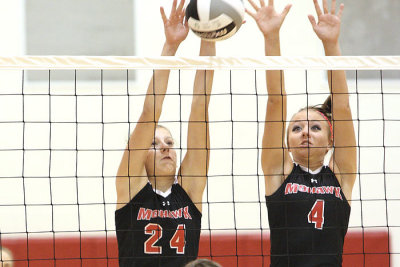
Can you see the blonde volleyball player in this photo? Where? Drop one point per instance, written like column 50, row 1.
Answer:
column 158, row 216
column 308, row 203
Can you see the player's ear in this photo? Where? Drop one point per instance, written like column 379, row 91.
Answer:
column 330, row 143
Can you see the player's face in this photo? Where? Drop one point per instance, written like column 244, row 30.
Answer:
column 308, row 136
column 161, row 156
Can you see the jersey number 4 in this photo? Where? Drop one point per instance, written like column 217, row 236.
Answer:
column 316, row 214
column 155, row 231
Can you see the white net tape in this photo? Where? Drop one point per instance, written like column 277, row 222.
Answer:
column 111, row 62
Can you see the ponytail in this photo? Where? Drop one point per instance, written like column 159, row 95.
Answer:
column 325, row 108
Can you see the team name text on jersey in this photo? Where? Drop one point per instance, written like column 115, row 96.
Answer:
column 294, row 188
column 147, row 214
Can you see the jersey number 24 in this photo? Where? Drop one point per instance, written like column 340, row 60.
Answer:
column 155, row 231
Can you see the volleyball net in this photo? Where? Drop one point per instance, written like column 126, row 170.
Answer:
column 65, row 122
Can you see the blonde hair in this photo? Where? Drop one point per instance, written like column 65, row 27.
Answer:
column 163, row 127
column 202, row 263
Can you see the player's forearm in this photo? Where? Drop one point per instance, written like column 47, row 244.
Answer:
column 201, row 94
column 206, row 49
column 169, row 49
column 198, row 134
column 158, row 86
column 332, row 48
column 272, row 45
column 202, row 85
column 337, row 78
column 275, row 79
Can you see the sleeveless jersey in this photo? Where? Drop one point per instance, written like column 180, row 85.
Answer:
column 153, row 230
column 308, row 217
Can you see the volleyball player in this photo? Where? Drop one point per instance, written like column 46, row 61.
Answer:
column 158, row 216
column 308, row 203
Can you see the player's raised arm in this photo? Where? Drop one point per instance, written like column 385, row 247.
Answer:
column 193, row 171
column 132, row 176
column 273, row 154
column 344, row 160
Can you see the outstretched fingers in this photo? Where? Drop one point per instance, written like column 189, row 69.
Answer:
column 177, row 12
column 325, row 6
column 163, row 16
column 181, row 4
column 286, row 10
column 312, row 20
column 181, row 10
column 173, row 9
column 317, row 8
column 341, row 8
column 333, row 7
column 251, row 14
column 256, row 8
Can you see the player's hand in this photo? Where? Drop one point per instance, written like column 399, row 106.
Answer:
column 268, row 20
column 328, row 26
column 175, row 27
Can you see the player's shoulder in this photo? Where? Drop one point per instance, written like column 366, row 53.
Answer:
column 144, row 194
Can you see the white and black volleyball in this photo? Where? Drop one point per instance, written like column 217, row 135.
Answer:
column 215, row 20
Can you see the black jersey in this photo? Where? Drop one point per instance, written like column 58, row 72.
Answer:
column 153, row 230
column 308, row 217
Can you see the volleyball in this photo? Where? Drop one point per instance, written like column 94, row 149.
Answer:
column 215, row 20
